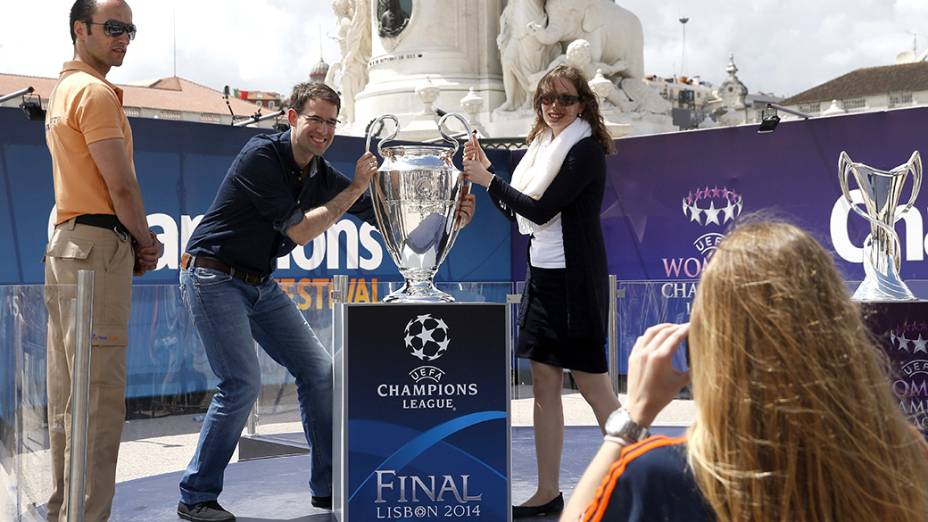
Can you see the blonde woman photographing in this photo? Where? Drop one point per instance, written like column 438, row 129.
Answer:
column 795, row 418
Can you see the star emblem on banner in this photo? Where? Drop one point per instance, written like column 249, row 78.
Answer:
column 729, row 208
column 921, row 345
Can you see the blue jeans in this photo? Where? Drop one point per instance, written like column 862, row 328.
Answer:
column 228, row 313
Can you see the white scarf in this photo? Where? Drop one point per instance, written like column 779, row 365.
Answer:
column 542, row 162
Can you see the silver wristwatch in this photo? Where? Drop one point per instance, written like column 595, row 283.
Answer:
column 620, row 425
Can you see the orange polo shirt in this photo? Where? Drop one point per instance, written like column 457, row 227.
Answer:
column 83, row 108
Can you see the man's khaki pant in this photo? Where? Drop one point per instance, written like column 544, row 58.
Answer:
column 109, row 254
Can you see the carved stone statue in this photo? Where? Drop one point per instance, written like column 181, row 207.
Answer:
column 602, row 36
column 643, row 98
column 344, row 11
column 392, row 18
column 355, row 58
column 579, row 55
column 521, row 54
column 614, row 33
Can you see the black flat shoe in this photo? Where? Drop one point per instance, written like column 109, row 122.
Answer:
column 322, row 502
column 555, row 505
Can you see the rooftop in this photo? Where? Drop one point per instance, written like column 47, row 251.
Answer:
column 171, row 93
column 870, row 81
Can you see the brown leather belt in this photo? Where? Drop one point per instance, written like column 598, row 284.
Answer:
column 188, row 261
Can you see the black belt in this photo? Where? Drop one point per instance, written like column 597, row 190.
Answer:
column 107, row 221
column 187, row 261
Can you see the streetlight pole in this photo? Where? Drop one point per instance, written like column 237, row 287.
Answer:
column 683, row 21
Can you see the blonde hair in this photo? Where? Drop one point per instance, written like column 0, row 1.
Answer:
column 796, row 420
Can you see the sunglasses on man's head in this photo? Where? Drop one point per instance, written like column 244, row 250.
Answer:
column 114, row 28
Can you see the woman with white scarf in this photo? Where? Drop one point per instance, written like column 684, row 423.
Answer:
column 555, row 196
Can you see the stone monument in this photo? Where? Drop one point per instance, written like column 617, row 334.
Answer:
column 417, row 58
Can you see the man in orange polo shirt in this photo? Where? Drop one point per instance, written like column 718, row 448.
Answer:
column 100, row 226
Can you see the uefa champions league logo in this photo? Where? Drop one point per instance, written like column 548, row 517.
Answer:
column 427, row 337
column 712, row 206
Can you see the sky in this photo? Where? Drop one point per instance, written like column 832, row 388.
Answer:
column 781, row 47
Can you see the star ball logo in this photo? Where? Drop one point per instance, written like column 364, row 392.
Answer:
column 908, row 341
column 427, row 339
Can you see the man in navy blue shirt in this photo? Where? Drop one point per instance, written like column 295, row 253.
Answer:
column 279, row 192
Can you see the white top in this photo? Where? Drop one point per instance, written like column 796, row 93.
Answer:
column 547, row 247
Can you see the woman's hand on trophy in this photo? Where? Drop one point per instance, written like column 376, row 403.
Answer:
column 473, row 151
column 466, row 210
column 474, row 171
column 365, row 169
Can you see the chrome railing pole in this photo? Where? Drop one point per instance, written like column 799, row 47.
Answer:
column 80, row 395
column 251, row 424
column 338, row 298
column 18, row 309
column 612, row 343
column 339, row 289
column 513, row 301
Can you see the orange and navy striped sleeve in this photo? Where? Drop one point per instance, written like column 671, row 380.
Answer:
column 649, row 481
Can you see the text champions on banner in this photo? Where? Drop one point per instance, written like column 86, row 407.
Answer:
column 362, row 250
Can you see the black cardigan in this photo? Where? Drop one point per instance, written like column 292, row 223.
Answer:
column 577, row 193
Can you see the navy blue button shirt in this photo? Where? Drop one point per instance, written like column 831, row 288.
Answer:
column 260, row 198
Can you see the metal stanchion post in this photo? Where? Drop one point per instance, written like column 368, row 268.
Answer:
column 613, row 341
column 338, row 296
column 19, row 451
column 80, row 395
column 339, row 289
column 513, row 301
column 251, row 425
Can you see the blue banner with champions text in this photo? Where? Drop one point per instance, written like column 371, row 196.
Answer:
column 180, row 166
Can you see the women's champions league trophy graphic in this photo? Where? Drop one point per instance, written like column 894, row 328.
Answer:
column 881, row 191
column 417, row 192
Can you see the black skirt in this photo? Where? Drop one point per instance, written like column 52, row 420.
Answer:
column 543, row 337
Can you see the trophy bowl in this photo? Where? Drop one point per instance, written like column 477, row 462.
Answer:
column 417, row 192
column 880, row 192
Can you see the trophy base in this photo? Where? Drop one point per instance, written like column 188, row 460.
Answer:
column 418, row 292
column 874, row 291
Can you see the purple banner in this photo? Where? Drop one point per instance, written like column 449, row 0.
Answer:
column 670, row 197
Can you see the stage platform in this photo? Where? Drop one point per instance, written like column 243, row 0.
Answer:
column 274, row 489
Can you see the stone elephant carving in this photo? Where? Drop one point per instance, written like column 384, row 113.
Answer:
column 614, row 33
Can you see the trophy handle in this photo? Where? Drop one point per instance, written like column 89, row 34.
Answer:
column 845, row 164
column 915, row 166
column 441, row 128
column 375, row 127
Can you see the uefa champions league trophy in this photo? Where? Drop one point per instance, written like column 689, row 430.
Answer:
column 417, row 192
column 881, row 191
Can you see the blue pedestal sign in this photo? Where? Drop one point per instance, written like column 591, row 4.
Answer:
column 422, row 412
